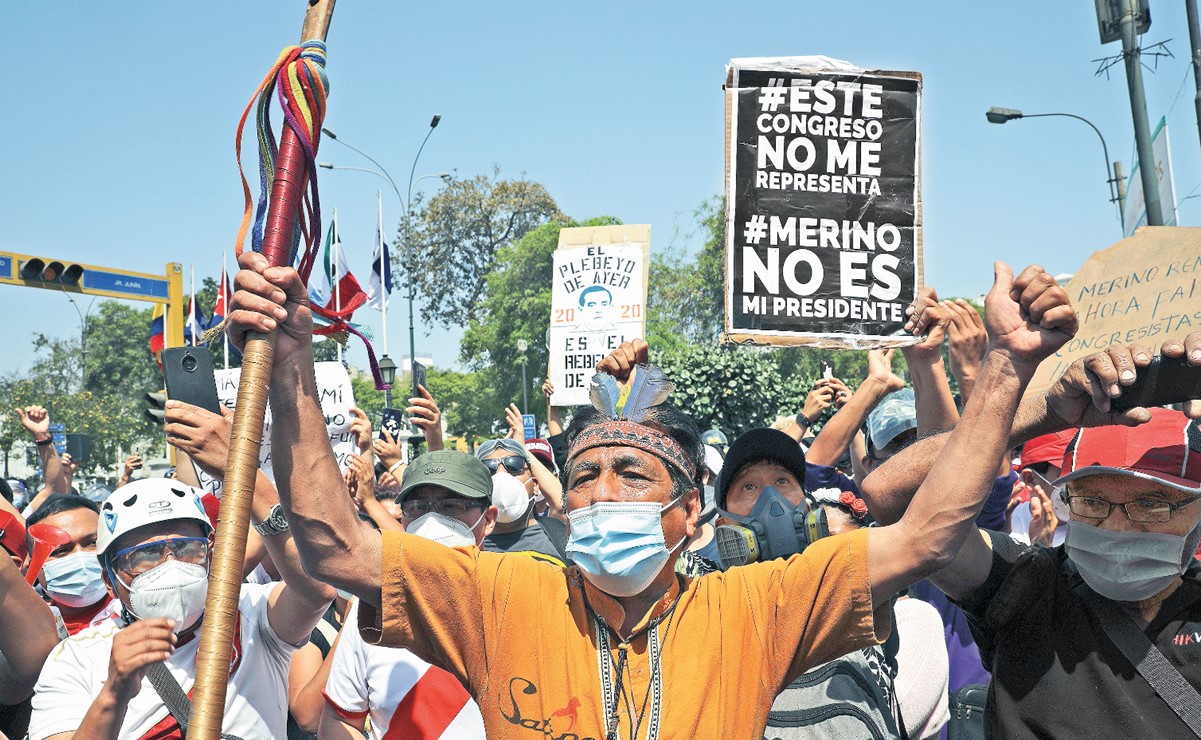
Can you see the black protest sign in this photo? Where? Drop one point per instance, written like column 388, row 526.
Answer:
column 823, row 217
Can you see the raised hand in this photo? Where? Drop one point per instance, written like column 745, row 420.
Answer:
column 387, row 450
column 927, row 319
column 879, row 368
column 516, row 426
column 1081, row 396
column 1043, row 521
column 818, row 400
column 622, row 360
column 1029, row 316
column 35, row 419
column 203, row 435
column 969, row 339
column 548, row 389
column 267, row 298
column 425, row 414
column 360, row 428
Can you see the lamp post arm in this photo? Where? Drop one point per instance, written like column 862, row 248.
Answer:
column 372, row 160
column 413, row 169
column 378, row 174
column 1104, row 148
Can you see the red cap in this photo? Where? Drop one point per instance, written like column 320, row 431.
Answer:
column 212, row 506
column 1166, row 449
column 1049, row 448
column 542, row 450
column 12, row 534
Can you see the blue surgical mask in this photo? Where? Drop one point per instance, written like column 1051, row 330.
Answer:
column 1124, row 565
column 75, row 580
column 619, row 546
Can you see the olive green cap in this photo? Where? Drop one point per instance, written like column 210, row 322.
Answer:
column 457, row 472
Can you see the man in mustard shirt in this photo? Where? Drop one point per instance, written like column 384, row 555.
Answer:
column 619, row 646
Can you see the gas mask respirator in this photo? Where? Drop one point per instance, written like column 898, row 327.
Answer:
column 775, row 528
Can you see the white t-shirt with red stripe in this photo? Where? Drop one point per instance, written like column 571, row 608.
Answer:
column 256, row 702
column 404, row 696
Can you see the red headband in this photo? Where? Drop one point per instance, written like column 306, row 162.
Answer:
column 624, row 433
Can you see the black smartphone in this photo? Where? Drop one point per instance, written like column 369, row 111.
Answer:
column 418, row 378
column 1166, row 380
column 392, row 420
column 189, row 375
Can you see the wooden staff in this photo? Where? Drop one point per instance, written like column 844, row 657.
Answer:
column 241, row 467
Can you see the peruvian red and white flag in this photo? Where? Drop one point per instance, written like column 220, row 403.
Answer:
column 404, row 696
column 332, row 285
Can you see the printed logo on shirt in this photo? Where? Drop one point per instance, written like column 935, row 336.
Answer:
column 555, row 727
column 1187, row 638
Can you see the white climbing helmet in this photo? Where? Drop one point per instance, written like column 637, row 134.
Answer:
column 147, row 501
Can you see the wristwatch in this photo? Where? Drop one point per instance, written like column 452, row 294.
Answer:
column 274, row 523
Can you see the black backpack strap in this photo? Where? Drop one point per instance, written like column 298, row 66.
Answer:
column 1150, row 663
column 556, row 531
column 173, row 695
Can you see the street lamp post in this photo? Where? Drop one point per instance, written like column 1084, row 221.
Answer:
column 387, row 371
column 522, row 346
column 1116, row 181
column 386, row 364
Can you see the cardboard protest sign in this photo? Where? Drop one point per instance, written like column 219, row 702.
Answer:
column 1145, row 289
column 598, row 301
column 823, row 206
column 337, row 398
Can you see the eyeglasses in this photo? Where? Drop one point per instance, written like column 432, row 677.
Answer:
column 141, row 558
column 515, row 464
column 1136, row 511
column 451, row 507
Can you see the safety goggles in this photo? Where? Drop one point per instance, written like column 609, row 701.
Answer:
column 138, row 559
column 515, row 464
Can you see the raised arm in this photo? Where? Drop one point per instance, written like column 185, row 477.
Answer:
column 547, row 481
column 1029, row 318
column 934, row 403
column 968, row 343
column 296, row 604
column 837, row 433
column 1080, row 397
column 333, row 544
column 27, row 637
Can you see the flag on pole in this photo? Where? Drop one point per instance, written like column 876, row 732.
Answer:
column 332, row 285
column 158, row 330
column 193, row 328
column 380, row 260
column 223, row 298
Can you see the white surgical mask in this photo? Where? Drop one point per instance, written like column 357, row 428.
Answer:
column 75, row 580
column 444, row 530
column 1124, row 565
column 509, row 496
column 174, row 589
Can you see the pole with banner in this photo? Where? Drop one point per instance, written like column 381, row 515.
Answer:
column 823, row 203
column 292, row 172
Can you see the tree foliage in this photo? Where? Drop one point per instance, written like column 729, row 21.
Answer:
column 515, row 306
column 457, row 234
column 97, row 392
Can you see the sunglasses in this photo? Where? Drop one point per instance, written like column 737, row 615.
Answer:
column 515, row 464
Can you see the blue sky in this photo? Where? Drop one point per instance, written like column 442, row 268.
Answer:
column 117, row 131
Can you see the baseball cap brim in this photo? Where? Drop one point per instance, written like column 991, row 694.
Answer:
column 1180, row 484
column 760, row 444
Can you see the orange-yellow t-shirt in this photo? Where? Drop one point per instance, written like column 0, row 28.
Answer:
column 523, row 637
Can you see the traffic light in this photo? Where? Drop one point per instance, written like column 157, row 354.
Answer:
column 54, row 271
column 158, row 403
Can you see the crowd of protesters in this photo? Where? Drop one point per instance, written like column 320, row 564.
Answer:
column 926, row 565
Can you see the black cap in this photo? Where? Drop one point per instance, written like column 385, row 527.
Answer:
column 754, row 446
column 457, row 472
